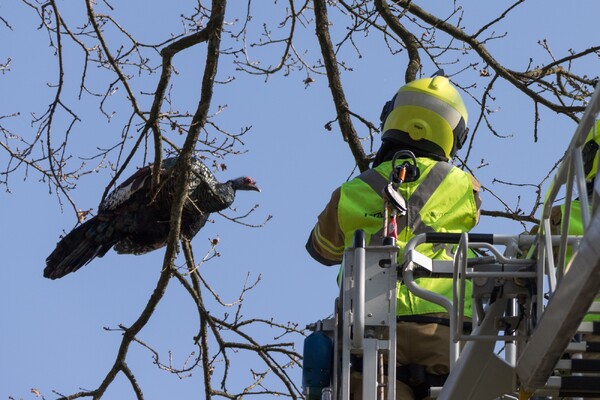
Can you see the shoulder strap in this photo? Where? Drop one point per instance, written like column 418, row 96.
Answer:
column 424, row 191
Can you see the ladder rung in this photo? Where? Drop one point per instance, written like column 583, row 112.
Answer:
column 579, row 365
column 595, row 307
column 592, row 347
column 583, row 347
column 574, row 386
column 589, row 327
column 576, row 347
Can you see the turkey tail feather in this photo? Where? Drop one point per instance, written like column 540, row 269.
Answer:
column 76, row 249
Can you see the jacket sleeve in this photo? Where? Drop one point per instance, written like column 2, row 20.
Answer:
column 326, row 241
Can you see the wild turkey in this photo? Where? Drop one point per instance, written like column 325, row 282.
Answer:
column 135, row 223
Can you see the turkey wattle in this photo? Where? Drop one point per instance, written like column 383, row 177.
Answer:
column 134, row 223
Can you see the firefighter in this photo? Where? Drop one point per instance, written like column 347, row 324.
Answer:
column 576, row 228
column 427, row 117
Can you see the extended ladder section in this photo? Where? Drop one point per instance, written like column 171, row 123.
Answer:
column 573, row 287
column 530, row 294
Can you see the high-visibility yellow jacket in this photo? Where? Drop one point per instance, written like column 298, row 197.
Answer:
column 443, row 199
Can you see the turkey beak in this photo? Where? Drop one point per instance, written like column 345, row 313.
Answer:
column 254, row 187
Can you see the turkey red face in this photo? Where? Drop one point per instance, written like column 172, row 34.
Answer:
column 245, row 183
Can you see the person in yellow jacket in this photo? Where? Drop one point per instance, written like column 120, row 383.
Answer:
column 576, row 228
column 427, row 117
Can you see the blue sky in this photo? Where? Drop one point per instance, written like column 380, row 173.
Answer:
column 52, row 335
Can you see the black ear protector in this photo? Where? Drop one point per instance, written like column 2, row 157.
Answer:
column 388, row 107
column 461, row 134
column 588, row 153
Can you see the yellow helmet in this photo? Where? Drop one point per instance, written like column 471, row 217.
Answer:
column 427, row 114
column 590, row 152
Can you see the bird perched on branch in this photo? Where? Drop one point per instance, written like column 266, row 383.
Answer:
column 134, row 220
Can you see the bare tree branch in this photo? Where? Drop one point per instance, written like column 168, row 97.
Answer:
column 335, row 84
